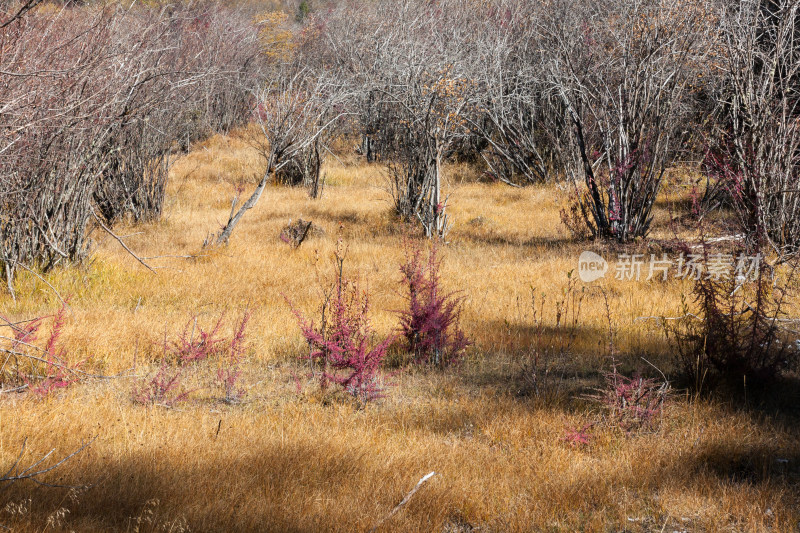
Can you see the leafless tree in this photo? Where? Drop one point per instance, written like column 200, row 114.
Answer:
column 514, row 113
column 756, row 156
column 92, row 103
column 346, row 41
column 623, row 71
column 188, row 71
column 293, row 110
column 404, row 62
column 305, row 168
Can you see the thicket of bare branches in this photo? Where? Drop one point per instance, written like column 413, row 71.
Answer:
column 754, row 156
column 625, row 72
column 516, row 113
column 404, row 63
column 595, row 92
column 190, row 72
column 93, row 101
column 606, row 95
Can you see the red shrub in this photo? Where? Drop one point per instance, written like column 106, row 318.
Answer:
column 42, row 369
column 578, row 437
column 342, row 343
column 195, row 343
column 632, row 403
column 430, row 323
column 162, row 388
column 183, row 355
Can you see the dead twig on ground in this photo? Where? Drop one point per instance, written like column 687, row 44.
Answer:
column 405, row 500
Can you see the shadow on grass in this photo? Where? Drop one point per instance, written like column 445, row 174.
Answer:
column 502, row 240
column 524, row 360
column 328, row 483
column 582, row 346
column 778, row 400
column 313, row 486
column 749, row 465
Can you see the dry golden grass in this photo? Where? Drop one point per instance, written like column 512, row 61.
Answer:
column 289, row 461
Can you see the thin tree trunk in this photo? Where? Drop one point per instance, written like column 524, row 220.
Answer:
column 249, row 204
column 437, row 190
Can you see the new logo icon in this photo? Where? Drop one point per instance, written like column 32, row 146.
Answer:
column 591, row 267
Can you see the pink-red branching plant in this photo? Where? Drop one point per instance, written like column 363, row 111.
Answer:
column 230, row 371
column 196, row 344
column 164, row 388
column 430, row 323
column 578, row 438
column 632, row 403
column 182, row 356
column 40, row 369
column 342, row 343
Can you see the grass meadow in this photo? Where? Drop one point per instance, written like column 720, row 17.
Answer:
column 289, row 457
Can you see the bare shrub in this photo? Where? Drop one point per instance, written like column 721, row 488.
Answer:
column 423, row 86
column 622, row 71
column 516, row 115
column 404, row 64
column 755, row 152
column 94, row 101
column 57, row 115
column 304, row 169
column 735, row 331
column 175, row 95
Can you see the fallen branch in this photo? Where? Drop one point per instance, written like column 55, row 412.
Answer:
column 58, row 295
column 13, row 325
column 665, row 318
column 122, row 243
column 15, row 389
column 32, row 472
column 405, row 500
column 713, row 240
column 123, row 374
column 175, row 256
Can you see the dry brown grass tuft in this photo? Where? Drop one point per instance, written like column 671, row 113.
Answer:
column 284, row 461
